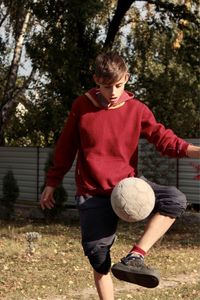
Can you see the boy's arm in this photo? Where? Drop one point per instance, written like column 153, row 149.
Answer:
column 64, row 155
column 193, row 151
column 65, row 150
column 165, row 141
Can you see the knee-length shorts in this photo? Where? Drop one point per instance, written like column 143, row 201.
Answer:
column 99, row 222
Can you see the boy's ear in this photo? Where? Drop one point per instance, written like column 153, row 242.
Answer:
column 127, row 76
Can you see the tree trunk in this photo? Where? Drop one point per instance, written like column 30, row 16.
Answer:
column 122, row 7
column 9, row 100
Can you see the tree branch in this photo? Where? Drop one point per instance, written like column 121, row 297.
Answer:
column 179, row 11
column 25, row 85
column 3, row 18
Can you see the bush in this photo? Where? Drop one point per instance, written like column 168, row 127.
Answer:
column 10, row 193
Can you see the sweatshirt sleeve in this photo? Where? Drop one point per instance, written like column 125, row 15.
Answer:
column 65, row 149
column 165, row 141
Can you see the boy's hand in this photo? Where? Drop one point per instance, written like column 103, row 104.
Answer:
column 193, row 151
column 47, row 200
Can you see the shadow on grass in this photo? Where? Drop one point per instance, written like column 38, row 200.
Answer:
column 184, row 232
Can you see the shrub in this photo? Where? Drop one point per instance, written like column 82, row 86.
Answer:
column 10, row 193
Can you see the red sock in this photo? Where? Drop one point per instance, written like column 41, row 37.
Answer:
column 138, row 250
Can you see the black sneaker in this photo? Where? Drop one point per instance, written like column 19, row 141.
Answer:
column 132, row 269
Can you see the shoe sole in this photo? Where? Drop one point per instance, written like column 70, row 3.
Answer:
column 146, row 279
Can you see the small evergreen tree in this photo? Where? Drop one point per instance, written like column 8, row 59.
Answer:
column 10, row 193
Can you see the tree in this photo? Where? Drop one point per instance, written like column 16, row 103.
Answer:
column 65, row 45
column 166, row 77
column 63, row 49
column 9, row 97
column 69, row 35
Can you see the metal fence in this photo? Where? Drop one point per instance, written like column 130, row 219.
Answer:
column 28, row 166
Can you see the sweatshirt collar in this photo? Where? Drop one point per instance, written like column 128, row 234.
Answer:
column 98, row 100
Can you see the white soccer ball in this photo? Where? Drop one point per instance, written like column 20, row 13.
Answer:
column 132, row 199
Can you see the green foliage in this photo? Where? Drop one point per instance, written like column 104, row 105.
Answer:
column 164, row 77
column 64, row 41
column 66, row 46
column 63, row 49
column 60, row 195
column 10, row 192
column 37, row 124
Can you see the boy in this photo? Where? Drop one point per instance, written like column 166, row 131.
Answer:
column 103, row 130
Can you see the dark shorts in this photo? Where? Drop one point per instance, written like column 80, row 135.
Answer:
column 99, row 222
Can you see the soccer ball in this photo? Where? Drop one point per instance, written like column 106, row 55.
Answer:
column 132, row 199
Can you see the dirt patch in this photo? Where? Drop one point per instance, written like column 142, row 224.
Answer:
column 173, row 281
column 180, row 279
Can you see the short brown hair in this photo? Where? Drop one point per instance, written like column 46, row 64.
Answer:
column 109, row 67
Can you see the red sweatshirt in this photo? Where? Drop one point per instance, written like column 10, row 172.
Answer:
column 105, row 141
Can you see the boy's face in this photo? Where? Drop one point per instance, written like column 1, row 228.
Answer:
column 113, row 91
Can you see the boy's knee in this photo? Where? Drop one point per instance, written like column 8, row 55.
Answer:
column 173, row 204
column 179, row 198
column 100, row 259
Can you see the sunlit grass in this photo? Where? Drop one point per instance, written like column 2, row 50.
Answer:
column 58, row 267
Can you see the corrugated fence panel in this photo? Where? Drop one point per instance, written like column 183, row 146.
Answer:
column 154, row 167
column 23, row 163
column 28, row 166
column 189, row 176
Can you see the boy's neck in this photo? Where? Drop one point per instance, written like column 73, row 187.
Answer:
column 98, row 100
column 103, row 101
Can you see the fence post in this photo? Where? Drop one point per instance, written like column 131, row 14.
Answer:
column 177, row 173
column 38, row 169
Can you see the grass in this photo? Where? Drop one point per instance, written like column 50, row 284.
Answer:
column 59, row 270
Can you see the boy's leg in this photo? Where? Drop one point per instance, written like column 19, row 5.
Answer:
column 98, row 227
column 170, row 203
column 156, row 227
column 104, row 286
